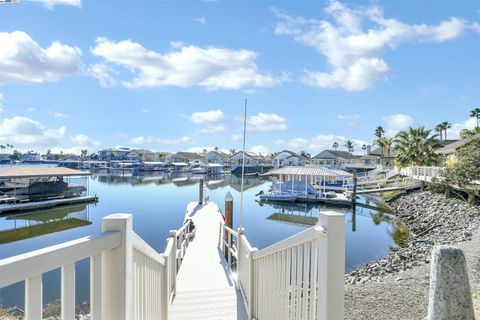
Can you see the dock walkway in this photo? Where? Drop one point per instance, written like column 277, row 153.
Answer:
column 204, row 287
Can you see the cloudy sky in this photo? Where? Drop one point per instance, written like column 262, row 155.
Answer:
column 173, row 75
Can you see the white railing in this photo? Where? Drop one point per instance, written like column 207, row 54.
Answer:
column 301, row 277
column 422, row 172
column 128, row 278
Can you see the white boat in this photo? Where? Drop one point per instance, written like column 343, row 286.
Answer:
column 277, row 196
column 199, row 170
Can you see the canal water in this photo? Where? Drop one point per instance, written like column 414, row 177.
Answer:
column 158, row 202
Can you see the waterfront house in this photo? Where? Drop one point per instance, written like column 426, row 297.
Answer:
column 449, row 151
column 143, row 155
column 251, row 158
column 191, row 158
column 113, row 154
column 218, row 157
column 334, row 158
column 288, row 158
column 30, row 157
column 5, row 157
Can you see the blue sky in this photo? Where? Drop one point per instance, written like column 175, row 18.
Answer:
column 173, row 75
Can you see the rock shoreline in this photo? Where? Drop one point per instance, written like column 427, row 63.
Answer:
column 431, row 219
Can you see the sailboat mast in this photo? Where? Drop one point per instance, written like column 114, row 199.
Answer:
column 243, row 163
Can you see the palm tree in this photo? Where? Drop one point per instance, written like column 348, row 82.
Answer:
column 216, row 148
column 335, row 145
column 475, row 113
column 388, row 144
column 305, row 154
column 2, row 147
column 350, row 145
column 446, row 125
column 364, row 148
column 416, row 146
column 379, row 132
column 439, row 130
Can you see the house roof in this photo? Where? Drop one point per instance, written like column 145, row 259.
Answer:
column 292, row 154
column 337, row 153
column 188, row 155
column 308, row 171
column 32, row 172
column 378, row 152
column 452, row 147
column 221, row 154
column 252, row 155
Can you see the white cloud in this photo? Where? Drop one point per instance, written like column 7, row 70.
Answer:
column 25, row 133
column 296, row 143
column 217, row 128
column 349, row 118
column 236, row 137
column 59, row 115
column 31, row 109
column 352, row 39
column 151, row 140
column 50, row 4
column 177, row 44
column 454, row 131
column 200, row 20
column 211, row 68
column 23, row 60
column 145, row 110
column 2, row 104
column 260, row 149
column 84, row 140
column 206, row 117
column 318, row 143
column 398, row 122
column 266, row 122
column 103, row 73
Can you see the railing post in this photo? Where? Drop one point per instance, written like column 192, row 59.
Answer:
column 165, row 294
column 117, row 268
column 331, row 267
column 174, row 262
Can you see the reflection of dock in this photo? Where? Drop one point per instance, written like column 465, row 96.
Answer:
column 45, row 222
column 28, row 206
column 292, row 218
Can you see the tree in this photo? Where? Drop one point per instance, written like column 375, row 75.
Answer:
column 49, row 152
column 2, row 147
column 475, row 113
column 83, row 153
column 204, row 151
column 216, row 148
column 16, row 155
column 305, row 154
column 350, row 145
column 416, row 146
column 364, row 148
column 379, row 132
column 335, row 145
column 439, row 130
column 94, row 156
column 446, row 125
column 232, row 152
column 466, row 133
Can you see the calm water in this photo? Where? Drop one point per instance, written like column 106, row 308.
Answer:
column 158, row 204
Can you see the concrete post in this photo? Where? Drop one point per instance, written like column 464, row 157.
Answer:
column 200, row 191
column 331, row 267
column 117, row 268
column 228, row 217
column 450, row 296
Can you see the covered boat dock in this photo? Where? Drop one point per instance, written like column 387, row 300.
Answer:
column 33, row 188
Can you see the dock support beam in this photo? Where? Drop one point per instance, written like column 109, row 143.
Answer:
column 228, row 219
column 200, row 191
column 354, row 193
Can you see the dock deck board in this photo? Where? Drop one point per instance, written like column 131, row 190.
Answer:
column 205, row 289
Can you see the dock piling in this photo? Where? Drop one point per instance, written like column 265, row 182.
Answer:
column 228, row 218
column 200, row 193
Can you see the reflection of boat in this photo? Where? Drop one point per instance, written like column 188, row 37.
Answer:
column 199, row 170
column 149, row 166
column 45, row 222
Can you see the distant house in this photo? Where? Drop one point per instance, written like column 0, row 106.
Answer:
column 5, row 157
column 449, row 152
column 288, row 158
column 30, row 157
column 334, row 158
column 187, row 157
column 113, row 154
column 379, row 157
column 142, row 155
column 217, row 157
column 251, row 158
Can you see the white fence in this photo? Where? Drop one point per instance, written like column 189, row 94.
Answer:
column 301, row 277
column 128, row 278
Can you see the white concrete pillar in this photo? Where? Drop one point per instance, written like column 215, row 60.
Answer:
column 450, row 296
column 117, row 268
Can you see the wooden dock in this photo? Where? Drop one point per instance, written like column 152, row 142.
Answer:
column 36, row 205
column 204, row 286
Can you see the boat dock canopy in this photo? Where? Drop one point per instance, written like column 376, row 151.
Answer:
column 308, row 171
column 32, row 172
